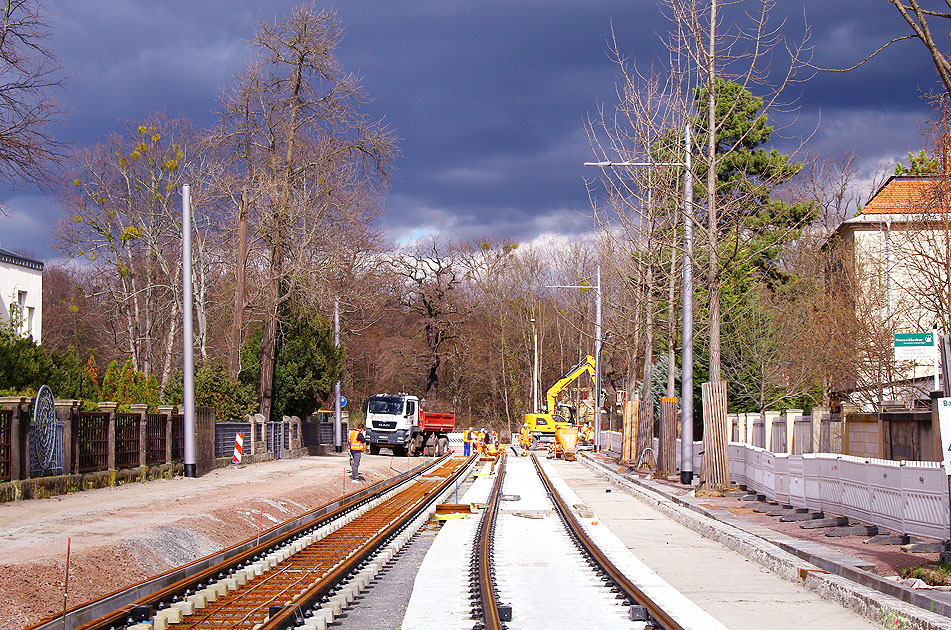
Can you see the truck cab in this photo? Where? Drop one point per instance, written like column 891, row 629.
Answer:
column 397, row 421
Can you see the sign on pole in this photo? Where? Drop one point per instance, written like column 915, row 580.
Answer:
column 343, row 402
column 915, row 346
column 944, row 424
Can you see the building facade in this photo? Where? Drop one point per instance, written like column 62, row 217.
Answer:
column 21, row 294
column 899, row 252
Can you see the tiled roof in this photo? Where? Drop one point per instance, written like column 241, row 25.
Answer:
column 910, row 194
column 22, row 261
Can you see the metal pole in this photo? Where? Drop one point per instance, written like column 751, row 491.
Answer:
column 338, row 426
column 686, row 378
column 535, row 370
column 597, row 366
column 188, row 336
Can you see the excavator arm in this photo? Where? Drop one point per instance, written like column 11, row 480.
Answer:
column 585, row 365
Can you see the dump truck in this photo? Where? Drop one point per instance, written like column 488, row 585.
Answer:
column 398, row 422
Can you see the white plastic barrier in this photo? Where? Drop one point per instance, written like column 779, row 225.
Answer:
column 908, row 497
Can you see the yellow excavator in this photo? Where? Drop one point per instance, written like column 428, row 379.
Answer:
column 543, row 427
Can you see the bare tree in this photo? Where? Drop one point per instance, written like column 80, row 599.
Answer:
column 431, row 279
column 29, row 73
column 308, row 150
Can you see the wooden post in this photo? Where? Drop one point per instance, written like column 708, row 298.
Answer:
column 667, row 455
column 715, row 468
column 629, row 431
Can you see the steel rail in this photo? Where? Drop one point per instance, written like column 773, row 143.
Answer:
column 487, row 593
column 630, row 590
column 186, row 577
column 288, row 617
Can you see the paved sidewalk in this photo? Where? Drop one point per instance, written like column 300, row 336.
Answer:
column 740, row 593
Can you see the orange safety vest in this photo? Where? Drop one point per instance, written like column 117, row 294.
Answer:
column 467, row 436
column 355, row 444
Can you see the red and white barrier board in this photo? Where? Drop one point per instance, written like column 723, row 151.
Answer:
column 238, row 448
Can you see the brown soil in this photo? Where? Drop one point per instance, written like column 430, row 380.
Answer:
column 124, row 534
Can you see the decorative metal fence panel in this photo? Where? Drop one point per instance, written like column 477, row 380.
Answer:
column 278, row 438
column 127, row 440
column 92, row 440
column 155, row 438
column 6, row 450
column 178, row 438
column 55, row 464
column 224, row 437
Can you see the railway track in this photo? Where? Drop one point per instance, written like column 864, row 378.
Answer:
column 642, row 610
column 302, row 576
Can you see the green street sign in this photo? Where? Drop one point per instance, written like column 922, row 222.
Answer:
column 913, row 340
column 915, row 346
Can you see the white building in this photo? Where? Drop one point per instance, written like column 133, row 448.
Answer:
column 21, row 293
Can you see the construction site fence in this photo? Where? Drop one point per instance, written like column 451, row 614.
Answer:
column 908, row 497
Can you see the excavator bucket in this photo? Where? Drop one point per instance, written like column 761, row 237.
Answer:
column 567, row 441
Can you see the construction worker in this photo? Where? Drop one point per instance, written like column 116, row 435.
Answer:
column 466, row 441
column 357, row 444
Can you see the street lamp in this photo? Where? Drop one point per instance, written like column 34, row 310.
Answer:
column 597, row 354
column 535, row 370
column 686, row 378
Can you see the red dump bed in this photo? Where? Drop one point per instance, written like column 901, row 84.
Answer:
column 438, row 422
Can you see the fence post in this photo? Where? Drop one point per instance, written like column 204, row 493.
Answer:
column 768, row 418
column 749, row 419
column 791, row 416
column 817, row 414
column 110, row 408
column 142, row 410
column 167, row 411
column 741, row 428
column 65, row 410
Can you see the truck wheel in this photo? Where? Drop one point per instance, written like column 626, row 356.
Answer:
column 374, row 449
column 442, row 445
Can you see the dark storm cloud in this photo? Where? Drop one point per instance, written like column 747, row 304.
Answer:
column 488, row 98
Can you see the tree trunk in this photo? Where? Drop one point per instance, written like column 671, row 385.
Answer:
column 645, row 428
column 237, row 324
column 269, row 338
column 713, row 275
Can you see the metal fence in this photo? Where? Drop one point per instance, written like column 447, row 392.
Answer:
column 224, row 437
column 155, row 438
column 127, row 440
column 6, row 459
column 92, row 440
column 178, row 438
column 55, row 466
